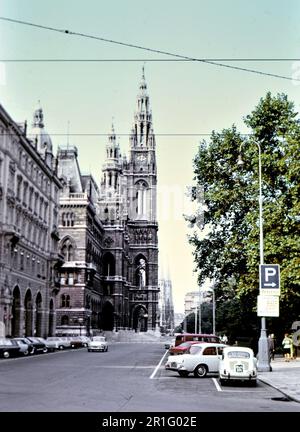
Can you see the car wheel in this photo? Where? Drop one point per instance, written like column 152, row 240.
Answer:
column 61, row 347
column 253, row 383
column 6, row 354
column 89, row 350
column 200, row 371
column 222, row 381
column 183, row 374
column 45, row 350
column 25, row 353
column 106, row 349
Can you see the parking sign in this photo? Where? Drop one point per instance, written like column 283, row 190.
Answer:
column 269, row 279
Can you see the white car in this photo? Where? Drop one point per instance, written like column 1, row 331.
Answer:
column 203, row 358
column 239, row 364
column 55, row 342
column 97, row 343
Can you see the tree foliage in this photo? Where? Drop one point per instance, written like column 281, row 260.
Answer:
column 229, row 253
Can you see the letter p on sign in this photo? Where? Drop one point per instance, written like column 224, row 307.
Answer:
column 269, row 278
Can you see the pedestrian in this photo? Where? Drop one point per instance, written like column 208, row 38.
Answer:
column 271, row 345
column 287, row 345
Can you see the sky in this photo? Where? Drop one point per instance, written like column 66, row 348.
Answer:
column 188, row 99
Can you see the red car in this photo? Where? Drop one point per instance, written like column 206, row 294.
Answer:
column 183, row 348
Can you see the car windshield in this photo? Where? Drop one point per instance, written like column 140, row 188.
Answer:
column 238, row 354
column 184, row 345
column 195, row 349
column 99, row 338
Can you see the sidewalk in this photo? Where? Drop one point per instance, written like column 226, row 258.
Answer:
column 285, row 377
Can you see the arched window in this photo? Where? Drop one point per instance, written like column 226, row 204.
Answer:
column 67, row 250
column 109, row 267
column 141, row 197
column 67, row 301
column 70, row 253
column 65, row 320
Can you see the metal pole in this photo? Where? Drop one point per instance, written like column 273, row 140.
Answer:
column 200, row 316
column 263, row 363
column 214, row 311
column 196, row 319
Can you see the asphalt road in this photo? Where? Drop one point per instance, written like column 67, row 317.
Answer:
column 127, row 378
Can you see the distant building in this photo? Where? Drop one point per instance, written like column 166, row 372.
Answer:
column 166, row 306
column 192, row 300
column 29, row 262
column 178, row 318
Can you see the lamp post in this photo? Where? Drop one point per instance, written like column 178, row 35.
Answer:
column 263, row 364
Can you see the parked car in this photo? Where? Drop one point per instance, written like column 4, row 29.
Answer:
column 200, row 337
column 182, row 348
column 39, row 346
column 56, row 343
column 238, row 364
column 66, row 340
column 79, row 341
column 203, row 358
column 25, row 346
column 8, row 348
column 97, row 343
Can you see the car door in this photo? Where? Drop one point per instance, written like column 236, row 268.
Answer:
column 211, row 358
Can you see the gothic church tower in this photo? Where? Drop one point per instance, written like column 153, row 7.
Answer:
column 142, row 220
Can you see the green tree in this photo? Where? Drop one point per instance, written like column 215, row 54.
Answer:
column 229, row 253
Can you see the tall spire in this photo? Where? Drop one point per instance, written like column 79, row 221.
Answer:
column 38, row 117
column 142, row 136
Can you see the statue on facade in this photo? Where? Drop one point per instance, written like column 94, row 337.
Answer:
column 142, row 273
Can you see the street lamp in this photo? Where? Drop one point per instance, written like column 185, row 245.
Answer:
column 263, row 364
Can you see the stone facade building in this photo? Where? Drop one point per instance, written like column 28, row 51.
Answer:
column 108, row 235
column 29, row 193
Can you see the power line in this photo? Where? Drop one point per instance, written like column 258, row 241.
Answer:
column 125, row 134
column 57, row 60
column 214, row 63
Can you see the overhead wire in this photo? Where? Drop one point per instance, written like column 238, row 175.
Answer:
column 156, row 51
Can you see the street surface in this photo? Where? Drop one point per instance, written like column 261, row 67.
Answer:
column 127, row 378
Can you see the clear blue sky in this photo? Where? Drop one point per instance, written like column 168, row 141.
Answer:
column 186, row 98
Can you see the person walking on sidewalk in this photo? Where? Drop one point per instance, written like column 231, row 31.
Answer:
column 271, row 344
column 287, row 345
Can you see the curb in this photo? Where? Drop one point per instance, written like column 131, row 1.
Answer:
column 281, row 391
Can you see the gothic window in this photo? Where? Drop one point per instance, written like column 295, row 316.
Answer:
column 70, row 253
column 68, row 219
column 67, row 250
column 108, row 265
column 141, row 196
column 19, row 181
column 25, row 187
column 65, row 301
column 65, row 320
column 62, row 301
